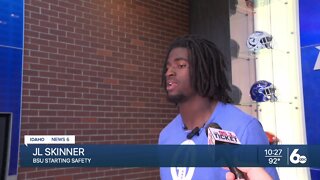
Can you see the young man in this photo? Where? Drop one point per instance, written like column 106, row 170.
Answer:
column 194, row 77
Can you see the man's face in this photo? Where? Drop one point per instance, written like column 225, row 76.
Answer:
column 178, row 84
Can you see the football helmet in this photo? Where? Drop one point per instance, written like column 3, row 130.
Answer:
column 262, row 91
column 259, row 40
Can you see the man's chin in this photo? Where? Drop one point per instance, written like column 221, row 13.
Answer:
column 176, row 98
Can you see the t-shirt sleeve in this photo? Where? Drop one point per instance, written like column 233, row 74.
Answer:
column 254, row 133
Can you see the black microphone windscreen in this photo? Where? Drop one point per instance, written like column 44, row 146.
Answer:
column 212, row 125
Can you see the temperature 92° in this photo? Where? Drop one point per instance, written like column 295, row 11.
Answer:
column 273, row 160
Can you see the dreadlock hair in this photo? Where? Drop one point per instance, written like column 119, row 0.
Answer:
column 207, row 68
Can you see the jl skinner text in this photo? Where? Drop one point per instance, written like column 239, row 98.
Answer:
column 59, row 152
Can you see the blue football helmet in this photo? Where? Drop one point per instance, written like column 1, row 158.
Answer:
column 262, row 91
column 259, row 40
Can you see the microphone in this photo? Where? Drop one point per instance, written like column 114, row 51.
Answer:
column 194, row 132
column 218, row 136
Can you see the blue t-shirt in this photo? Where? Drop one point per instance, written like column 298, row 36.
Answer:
column 230, row 118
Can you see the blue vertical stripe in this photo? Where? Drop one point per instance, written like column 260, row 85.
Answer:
column 11, row 63
column 309, row 15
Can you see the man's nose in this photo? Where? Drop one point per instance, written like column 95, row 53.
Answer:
column 170, row 72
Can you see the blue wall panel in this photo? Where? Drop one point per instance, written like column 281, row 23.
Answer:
column 11, row 23
column 310, row 40
column 11, row 63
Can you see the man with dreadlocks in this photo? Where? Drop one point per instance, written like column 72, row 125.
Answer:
column 194, row 77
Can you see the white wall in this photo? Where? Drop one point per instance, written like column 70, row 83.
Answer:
column 282, row 67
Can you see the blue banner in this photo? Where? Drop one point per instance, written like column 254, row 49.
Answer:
column 11, row 63
column 169, row 156
column 309, row 19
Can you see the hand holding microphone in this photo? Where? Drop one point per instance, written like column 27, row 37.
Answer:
column 251, row 174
